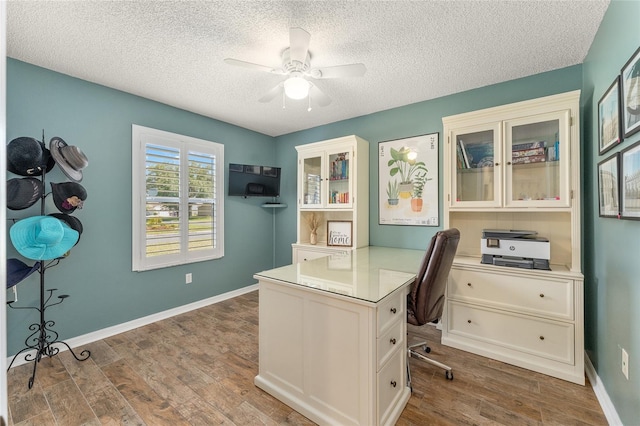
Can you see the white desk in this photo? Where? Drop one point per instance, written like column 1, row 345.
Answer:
column 332, row 335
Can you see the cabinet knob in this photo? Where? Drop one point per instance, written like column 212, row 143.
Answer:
column 469, row 284
column 497, row 164
column 508, row 163
column 541, row 337
column 541, row 294
column 393, row 383
column 393, row 310
column 393, row 341
column 469, row 321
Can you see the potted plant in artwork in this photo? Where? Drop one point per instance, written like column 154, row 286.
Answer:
column 403, row 162
column 418, row 188
column 392, row 193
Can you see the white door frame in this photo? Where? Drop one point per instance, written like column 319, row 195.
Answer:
column 4, row 409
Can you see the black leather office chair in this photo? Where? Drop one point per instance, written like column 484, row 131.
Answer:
column 425, row 302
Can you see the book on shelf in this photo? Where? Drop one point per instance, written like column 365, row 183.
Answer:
column 479, row 154
column 527, row 145
column 465, row 157
column 529, row 159
column 527, row 152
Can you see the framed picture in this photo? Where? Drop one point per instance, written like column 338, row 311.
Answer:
column 630, row 76
column 339, row 233
column 630, row 182
column 408, row 181
column 609, row 118
column 608, row 187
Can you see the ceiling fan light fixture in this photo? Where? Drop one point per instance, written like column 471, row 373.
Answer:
column 296, row 87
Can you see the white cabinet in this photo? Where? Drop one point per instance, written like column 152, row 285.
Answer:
column 515, row 162
column 517, row 167
column 333, row 185
column 336, row 360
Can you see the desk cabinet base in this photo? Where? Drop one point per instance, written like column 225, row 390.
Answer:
column 319, row 355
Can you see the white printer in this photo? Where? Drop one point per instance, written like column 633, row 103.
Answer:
column 515, row 248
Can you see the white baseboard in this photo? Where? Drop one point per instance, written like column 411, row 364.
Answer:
column 601, row 393
column 130, row 325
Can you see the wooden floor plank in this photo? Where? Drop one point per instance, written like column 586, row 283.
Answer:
column 68, row 404
column 198, row 368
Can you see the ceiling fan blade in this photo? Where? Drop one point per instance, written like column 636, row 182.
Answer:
column 253, row 66
column 271, row 94
column 319, row 96
column 298, row 44
column 339, row 71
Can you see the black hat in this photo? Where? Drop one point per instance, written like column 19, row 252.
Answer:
column 17, row 271
column 68, row 196
column 72, row 221
column 70, row 159
column 23, row 192
column 28, row 157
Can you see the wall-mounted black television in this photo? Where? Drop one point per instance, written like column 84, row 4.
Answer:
column 248, row 180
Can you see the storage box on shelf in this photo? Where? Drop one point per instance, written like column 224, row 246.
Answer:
column 517, row 167
column 333, row 185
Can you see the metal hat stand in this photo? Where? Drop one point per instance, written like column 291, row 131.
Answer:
column 43, row 341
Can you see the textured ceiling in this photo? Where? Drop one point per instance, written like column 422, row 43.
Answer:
column 173, row 51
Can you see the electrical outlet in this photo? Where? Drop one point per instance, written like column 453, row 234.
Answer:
column 625, row 364
column 188, row 278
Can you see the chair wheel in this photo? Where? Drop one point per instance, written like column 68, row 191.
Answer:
column 426, row 348
column 448, row 374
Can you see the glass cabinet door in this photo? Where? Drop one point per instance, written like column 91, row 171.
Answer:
column 477, row 177
column 536, row 156
column 311, row 185
column 338, row 178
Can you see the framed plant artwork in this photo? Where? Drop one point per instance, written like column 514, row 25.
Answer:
column 630, row 182
column 609, row 118
column 608, row 187
column 408, row 181
column 630, row 81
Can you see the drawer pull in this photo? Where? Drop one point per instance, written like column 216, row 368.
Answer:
column 393, row 341
column 393, row 310
column 541, row 294
column 541, row 337
column 393, row 383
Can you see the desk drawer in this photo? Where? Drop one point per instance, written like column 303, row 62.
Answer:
column 389, row 310
column 391, row 382
column 304, row 255
column 548, row 297
column 390, row 341
column 544, row 338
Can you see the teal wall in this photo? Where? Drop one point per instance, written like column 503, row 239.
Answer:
column 104, row 291
column 611, row 246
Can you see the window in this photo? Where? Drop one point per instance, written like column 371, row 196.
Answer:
column 177, row 214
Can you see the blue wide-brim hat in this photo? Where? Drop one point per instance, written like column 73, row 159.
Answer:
column 17, row 271
column 42, row 237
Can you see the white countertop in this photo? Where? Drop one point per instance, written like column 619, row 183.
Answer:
column 368, row 273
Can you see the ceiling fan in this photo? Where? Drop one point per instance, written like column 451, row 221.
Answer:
column 296, row 66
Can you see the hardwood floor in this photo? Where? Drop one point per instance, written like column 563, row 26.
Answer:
column 197, row 368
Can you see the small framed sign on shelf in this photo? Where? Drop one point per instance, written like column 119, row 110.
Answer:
column 339, row 233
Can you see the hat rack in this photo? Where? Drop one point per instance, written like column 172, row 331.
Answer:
column 44, row 341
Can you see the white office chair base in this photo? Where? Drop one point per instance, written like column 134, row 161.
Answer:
column 448, row 371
